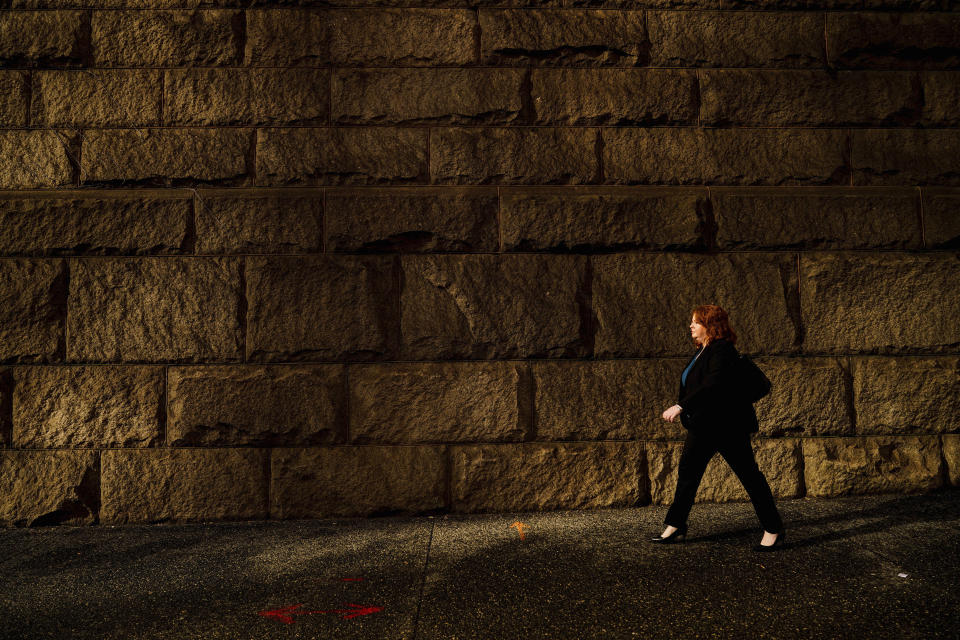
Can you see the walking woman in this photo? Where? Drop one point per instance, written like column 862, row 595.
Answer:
column 717, row 419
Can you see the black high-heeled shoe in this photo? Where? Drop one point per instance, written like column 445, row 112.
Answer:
column 680, row 534
column 777, row 544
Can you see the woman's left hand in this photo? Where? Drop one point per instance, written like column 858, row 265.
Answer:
column 671, row 414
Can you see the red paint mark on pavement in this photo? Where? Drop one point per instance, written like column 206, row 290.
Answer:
column 286, row 614
column 358, row 610
column 351, row 579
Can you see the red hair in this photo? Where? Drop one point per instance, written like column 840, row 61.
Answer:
column 715, row 321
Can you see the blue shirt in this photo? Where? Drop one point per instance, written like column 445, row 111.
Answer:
column 683, row 376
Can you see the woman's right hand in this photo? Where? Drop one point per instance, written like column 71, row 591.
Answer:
column 671, row 414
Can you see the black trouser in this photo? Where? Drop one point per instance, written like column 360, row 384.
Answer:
column 736, row 450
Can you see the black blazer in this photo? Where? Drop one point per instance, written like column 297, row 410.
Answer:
column 709, row 398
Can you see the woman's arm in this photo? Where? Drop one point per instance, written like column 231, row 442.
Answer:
column 719, row 368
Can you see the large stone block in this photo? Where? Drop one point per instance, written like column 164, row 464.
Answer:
column 490, row 306
column 49, row 487
column 612, row 400
column 941, row 98
column 585, row 37
column 878, row 464
column 34, row 159
column 551, row 218
column 41, row 38
column 96, row 98
column 780, row 461
column 357, row 481
column 941, row 218
column 810, row 396
column 359, row 155
column 159, row 485
column 421, row 96
column 618, row 97
column 412, row 219
column 904, row 308
column 321, row 308
column 246, row 96
column 893, row 40
column 155, row 309
column 735, row 39
column 906, row 156
column 541, row 476
column 408, row 403
column 113, row 222
column 33, row 305
column 816, row 218
column 541, row 155
column 259, row 221
column 808, row 98
column 362, row 37
column 642, row 302
column 906, row 395
column 156, row 154
column 79, row 407
column 202, row 37
column 951, row 456
column 14, row 89
column 725, row 156
column 251, row 405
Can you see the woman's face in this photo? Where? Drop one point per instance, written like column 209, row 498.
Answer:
column 698, row 332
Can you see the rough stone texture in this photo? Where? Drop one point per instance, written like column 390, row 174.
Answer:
column 541, row 477
column 808, row 98
column 176, row 38
column 159, row 485
column 906, row 156
column 33, row 300
column 259, row 221
column 246, row 96
column 612, row 400
column 844, row 466
column 154, row 309
column 941, row 98
column 356, row 481
column 951, row 455
column 642, row 302
column 580, row 218
column 321, row 308
column 412, row 219
column 893, row 40
column 41, row 38
column 735, row 39
column 725, row 156
column 903, row 309
column 810, row 397
column 780, row 461
column 124, row 222
column 49, row 487
column 250, row 405
column 821, row 218
column 361, row 37
column 152, row 154
column 941, row 219
column 906, row 395
column 586, row 37
column 78, row 407
column 443, row 402
column 619, row 97
column 96, row 98
column 419, row 96
column 14, row 86
column 34, row 159
column 513, row 156
column 490, row 306
column 341, row 156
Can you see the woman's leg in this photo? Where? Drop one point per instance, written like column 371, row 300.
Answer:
column 738, row 453
column 697, row 452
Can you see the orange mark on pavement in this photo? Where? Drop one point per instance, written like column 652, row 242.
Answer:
column 519, row 527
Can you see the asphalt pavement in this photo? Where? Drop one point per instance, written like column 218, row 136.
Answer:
column 858, row 567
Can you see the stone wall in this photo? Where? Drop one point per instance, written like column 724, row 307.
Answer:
column 300, row 259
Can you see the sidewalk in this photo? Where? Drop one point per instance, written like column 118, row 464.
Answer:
column 575, row 574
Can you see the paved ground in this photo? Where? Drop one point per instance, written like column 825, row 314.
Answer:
column 575, row 575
